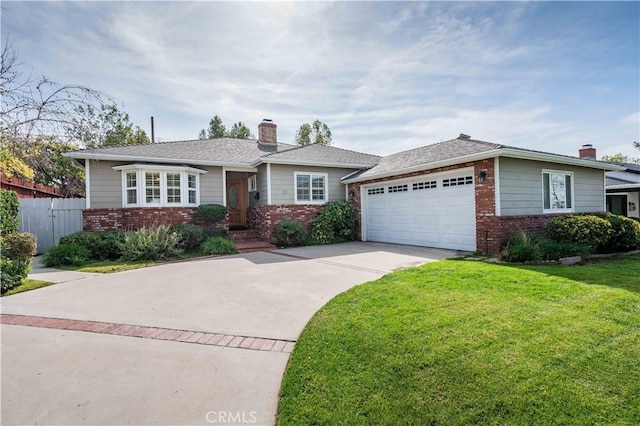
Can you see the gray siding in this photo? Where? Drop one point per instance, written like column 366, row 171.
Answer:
column 261, row 182
column 282, row 185
column 106, row 185
column 211, row 185
column 521, row 187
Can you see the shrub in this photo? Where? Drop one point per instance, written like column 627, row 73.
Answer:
column 625, row 234
column 290, row 233
column 100, row 245
column 154, row 243
column 8, row 212
column 65, row 254
column 212, row 212
column 335, row 223
column 589, row 230
column 18, row 245
column 12, row 272
column 191, row 236
column 522, row 248
column 527, row 248
column 214, row 232
column 218, row 245
column 554, row 250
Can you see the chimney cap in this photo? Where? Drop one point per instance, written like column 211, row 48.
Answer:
column 464, row 137
column 587, row 145
column 267, row 120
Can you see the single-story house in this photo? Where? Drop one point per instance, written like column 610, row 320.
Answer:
column 461, row 194
column 622, row 186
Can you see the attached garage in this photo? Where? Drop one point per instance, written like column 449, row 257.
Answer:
column 433, row 210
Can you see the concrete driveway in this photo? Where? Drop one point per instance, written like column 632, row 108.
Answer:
column 199, row 342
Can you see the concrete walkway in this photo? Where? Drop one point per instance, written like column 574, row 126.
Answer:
column 200, row 342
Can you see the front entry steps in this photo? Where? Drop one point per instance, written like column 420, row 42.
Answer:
column 248, row 240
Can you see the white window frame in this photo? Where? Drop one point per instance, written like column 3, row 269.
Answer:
column 252, row 183
column 126, row 188
column 566, row 173
column 311, row 175
column 141, row 169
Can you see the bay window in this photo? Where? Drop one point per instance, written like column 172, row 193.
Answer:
column 146, row 185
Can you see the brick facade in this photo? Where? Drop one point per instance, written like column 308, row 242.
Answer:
column 265, row 218
column 491, row 231
column 132, row 219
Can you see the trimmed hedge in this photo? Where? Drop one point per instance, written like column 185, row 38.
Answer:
column 603, row 232
column 587, row 229
column 625, row 235
column 212, row 212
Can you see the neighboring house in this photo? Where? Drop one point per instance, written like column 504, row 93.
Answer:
column 622, row 186
column 460, row 194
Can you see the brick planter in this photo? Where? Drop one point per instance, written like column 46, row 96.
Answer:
column 265, row 218
column 132, row 219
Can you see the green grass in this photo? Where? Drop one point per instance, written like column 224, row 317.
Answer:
column 26, row 285
column 465, row 343
column 109, row 266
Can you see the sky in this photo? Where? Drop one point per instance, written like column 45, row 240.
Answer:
column 385, row 76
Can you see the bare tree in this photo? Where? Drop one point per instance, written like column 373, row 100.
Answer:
column 38, row 107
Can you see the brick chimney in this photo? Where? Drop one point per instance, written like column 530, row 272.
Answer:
column 587, row 152
column 267, row 132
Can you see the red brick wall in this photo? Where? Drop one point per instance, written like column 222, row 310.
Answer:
column 131, row 219
column 491, row 231
column 265, row 218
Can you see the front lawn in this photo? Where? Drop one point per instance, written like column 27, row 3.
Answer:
column 462, row 342
column 26, row 285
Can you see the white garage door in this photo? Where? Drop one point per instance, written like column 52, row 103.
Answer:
column 435, row 210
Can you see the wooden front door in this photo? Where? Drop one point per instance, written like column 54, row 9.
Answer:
column 237, row 202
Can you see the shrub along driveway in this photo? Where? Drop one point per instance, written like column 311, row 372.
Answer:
column 213, row 343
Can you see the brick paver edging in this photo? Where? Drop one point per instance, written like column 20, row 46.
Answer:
column 174, row 335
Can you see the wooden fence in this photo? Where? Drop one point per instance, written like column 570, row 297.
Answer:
column 50, row 218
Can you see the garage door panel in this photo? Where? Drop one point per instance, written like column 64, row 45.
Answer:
column 431, row 216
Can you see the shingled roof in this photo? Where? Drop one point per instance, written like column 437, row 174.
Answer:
column 321, row 154
column 460, row 150
column 199, row 151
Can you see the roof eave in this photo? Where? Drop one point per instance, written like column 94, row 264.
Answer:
column 553, row 158
column 500, row 152
column 313, row 163
column 427, row 166
column 111, row 157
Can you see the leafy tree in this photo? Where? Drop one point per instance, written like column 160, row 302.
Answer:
column 616, row 158
column 217, row 129
column 621, row 158
column 317, row 132
column 239, row 131
column 11, row 165
column 44, row 155
column 104, row 126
